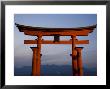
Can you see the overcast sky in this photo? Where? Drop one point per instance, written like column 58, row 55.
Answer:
column 54, row 54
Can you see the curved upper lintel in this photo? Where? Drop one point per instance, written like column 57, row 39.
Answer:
column 29, row 29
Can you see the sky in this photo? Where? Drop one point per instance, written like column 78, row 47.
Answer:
column 55, row 54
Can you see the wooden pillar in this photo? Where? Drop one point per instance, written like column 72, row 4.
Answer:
column 79, row 60
column 35, row 62
column 39, row 41
column 74, row 57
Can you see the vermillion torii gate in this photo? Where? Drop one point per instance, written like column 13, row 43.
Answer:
column 57, row 32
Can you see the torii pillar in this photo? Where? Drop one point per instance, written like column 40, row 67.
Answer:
column 36, row 61
column 79, row 60
column 74, row 57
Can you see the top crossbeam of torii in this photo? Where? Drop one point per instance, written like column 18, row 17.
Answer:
column 44, row 31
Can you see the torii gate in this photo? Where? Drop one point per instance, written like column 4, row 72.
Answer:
column 77, row 66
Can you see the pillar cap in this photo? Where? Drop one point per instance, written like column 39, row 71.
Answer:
column 79, row 48
column 33, row 47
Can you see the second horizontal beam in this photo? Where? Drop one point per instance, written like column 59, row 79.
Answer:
column 52, row 42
